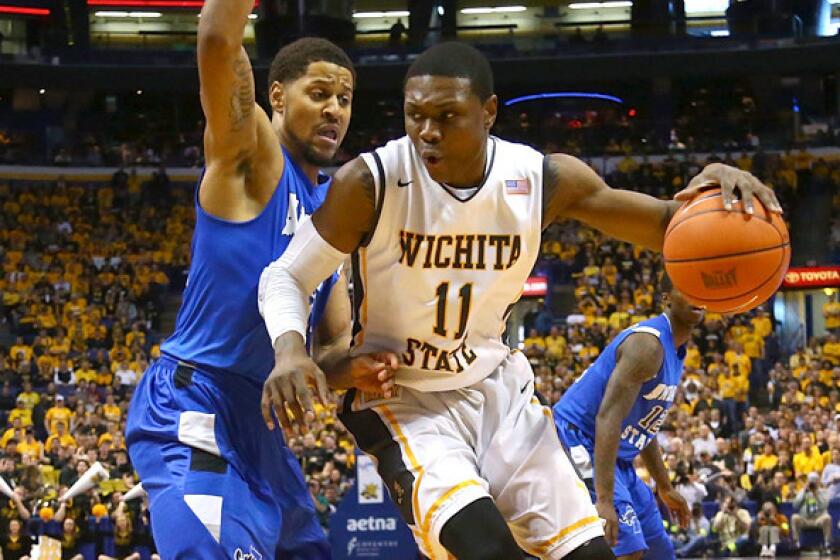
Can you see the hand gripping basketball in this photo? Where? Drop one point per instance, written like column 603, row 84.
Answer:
column 729, row 179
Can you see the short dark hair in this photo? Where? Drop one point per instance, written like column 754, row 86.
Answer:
column 455, row 60
column 291, row 62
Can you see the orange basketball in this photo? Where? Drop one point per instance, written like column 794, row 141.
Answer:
column 727, row 261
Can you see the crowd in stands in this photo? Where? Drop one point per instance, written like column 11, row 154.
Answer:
column 88, row 271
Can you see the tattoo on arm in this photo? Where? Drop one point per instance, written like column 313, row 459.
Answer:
column 242, row 98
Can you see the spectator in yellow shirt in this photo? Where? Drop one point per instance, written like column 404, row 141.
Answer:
column 808, row 460
column 22, row 412
column 534, row 344
column 762, row 323
column 57, row 413
column 767, row 460
column 831, row 349
column 65, row 439
column 111, row 410
column 85, row 372
column 29, row 397
column 20, row 351
column 31, row 446
column 555, row 344
column 692, row 357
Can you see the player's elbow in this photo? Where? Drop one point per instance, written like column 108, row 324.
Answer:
column 215, row 42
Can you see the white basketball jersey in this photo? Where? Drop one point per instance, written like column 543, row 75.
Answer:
column 438, row 276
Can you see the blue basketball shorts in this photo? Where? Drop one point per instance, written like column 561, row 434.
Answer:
column 221, row 485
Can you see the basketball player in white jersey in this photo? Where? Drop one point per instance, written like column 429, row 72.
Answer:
column 444, row 227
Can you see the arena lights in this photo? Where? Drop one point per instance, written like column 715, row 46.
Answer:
column 597, row 5
column 496, row 10
column 250, row 16
column 563, row 95
column 392, row 13
column 19, row 11
column 117, row 14
column 706, row 6
column 720, row 33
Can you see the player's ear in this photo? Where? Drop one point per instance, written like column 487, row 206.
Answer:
column 490, row 110
column 277, row 97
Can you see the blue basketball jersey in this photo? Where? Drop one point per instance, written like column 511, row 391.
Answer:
column 219, row 327
column 580, row 404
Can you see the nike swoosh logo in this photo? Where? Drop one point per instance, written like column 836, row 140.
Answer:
column 401, row 183
column 522, row 390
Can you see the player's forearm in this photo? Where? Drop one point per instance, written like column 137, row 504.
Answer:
column 285, row 284
column 652, row 458
column 334, row 360
column 222, row 23
column 607, row 430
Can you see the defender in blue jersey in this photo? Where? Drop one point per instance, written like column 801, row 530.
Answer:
column 612, row 414
column 221, row 484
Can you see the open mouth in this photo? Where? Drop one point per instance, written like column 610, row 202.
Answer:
column 330, row 134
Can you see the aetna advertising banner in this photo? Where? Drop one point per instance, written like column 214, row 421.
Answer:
column 367, row 524
column 812, row 277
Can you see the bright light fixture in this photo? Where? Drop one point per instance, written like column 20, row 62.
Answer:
column 496, row 10
column 720, row 33
column 42, row 91
column 392, row 13
column 597, row 5
column 706, row 7
column 128, row 14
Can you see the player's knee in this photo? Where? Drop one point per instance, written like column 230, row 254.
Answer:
column 596, row 549
column 479, row 518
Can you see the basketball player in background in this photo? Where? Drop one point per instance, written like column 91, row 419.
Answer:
column 612, row 414
column 221, row 485
column 444, row 225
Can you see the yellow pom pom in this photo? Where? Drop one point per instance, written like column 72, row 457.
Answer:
column 46, row 513
column 99, row 510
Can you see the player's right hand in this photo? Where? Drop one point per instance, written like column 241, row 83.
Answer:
column 288, row 393
column 606, row 511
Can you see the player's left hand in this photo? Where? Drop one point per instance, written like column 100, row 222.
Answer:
column 730, row 178
column 374, row 373
column 677, row 505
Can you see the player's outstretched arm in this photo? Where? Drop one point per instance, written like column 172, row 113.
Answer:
column 639, row 358
column 652, row 458
column 318, row 248
column 571, row 189
column 228, row 102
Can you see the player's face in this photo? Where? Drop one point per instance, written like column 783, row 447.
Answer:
column 314, row 111
column 448, row 125
column 684, row 311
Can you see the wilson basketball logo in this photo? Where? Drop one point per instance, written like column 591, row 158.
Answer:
column 719, row 279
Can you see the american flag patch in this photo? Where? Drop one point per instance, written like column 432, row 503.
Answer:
column 517, row 186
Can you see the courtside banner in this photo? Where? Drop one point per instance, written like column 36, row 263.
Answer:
column 812, row 277
column 367, row 524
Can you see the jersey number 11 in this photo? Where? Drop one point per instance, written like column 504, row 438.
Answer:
column 465, row 295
